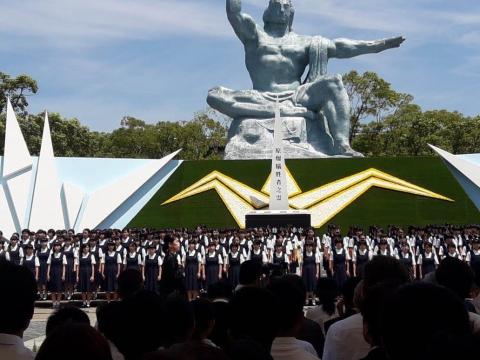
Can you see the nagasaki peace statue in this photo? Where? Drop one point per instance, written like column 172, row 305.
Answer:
column 315, row 112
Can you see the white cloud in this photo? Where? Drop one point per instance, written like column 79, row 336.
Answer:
column 91, row 22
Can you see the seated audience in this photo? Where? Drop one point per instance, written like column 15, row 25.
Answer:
column 65, row 316
column 327, row 293
column 290, row 300
column 18, row 291
column 179, row 320
column 204, row 321
column 430, row 335
column 74, row 342
column 250, row 274
column 345, row 338
column 347, row 306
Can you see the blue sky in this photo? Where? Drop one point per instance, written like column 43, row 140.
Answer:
column 99, row 60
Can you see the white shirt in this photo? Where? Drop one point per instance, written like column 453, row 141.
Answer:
column 319, row 315
column 345, row 340
column 12, row 348
column 288, row 348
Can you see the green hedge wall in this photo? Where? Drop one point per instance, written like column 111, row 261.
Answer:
column 376, row 207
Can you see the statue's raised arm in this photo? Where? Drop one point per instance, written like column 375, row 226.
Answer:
column 347, row 48
column 243, row 24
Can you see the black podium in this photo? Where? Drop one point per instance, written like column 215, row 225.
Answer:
column 280, row 218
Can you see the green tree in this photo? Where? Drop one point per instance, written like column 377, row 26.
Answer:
column 17, row 89
column 371, row 98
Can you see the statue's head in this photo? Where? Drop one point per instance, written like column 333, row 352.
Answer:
column 279, row 12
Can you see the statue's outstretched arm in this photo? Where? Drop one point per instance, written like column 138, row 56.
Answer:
column 347, row 48
column 243, row 24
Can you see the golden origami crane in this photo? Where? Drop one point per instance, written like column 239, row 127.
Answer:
column 323, row 202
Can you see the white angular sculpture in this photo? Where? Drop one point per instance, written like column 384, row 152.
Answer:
column 47, row 210
column 37, row 196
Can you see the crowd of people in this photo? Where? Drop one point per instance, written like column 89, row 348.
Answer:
column 65, row 263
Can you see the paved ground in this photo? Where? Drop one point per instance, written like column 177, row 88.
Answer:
column 35, row 334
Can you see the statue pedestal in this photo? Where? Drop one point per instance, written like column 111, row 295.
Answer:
column 251, row 138
column 278, row 218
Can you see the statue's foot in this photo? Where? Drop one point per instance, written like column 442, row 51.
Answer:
column 346, row 150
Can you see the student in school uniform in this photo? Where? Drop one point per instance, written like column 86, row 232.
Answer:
column 257, row 254
column 361, row 255
column 30, row 261
column 119, row 247
column 280, row 258
column 452, row 252
column 14, row 250
column 407, row 259
column 232, row 263
column 473, row 255
column 339, row 263
column 4, row 255
column 133, row 259
column 85, row 270
column 110, row 269
column 213, row 266
column 427, row 261
column 193, row 265
column 97, row 252
column 152, row 269
column 43, row 253
column 384, row 248
column 310, row 271
column 70, row 277
column 56, row 273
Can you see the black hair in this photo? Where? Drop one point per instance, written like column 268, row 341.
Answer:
column 66, row 315
column 204, row 317
column 181, row 319
column 220, row 289
column 129, row 282
column 327, row 293
column 433, row 337
column 250, row 271
column 455, row 275
column 253, row 315
column 19, row 290
column 290, row 294
column 87, row 342
column 384, row 269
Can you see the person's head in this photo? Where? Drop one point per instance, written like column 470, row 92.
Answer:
column 327, row 293
column 338, row 243
column 384, row 269
column 132, row 247
column 18, row 291
column 43, row 243
column 57, row 247
column 84, row 248
column 372, row 308
column 181, row 319
column 151, row 250
column 192, row 244
column 455, row 275
column 219, row 290
column 64, row 316
column 430, row 336
column 250, row 273
column 211, row 247
column 290, row 292
column 139, row 313
column 234, row 247
column 76, row 342
column 253, row 315
column 256, row 245
column 110, row 246
column 348, row 292
column 85, row 233
column 428, row 247
column 29, row 249
column 129, row 282
column 279, row 12
column 204, row 318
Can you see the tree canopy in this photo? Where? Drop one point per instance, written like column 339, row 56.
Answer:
column 384, row 122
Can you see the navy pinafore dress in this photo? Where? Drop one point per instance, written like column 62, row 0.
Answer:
column 85, row 273
column 309, row 270
column 339, row 268
column 110, row 272
column 428, row 264
column 132, row 262
column 234, row 269
column 151, row 273
column 15, row 255
column 212, row 266
column 29, row 264
column 56, row 270
column 360, row 263
column 42, row 271
column 70, row 276
column 191, row 271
